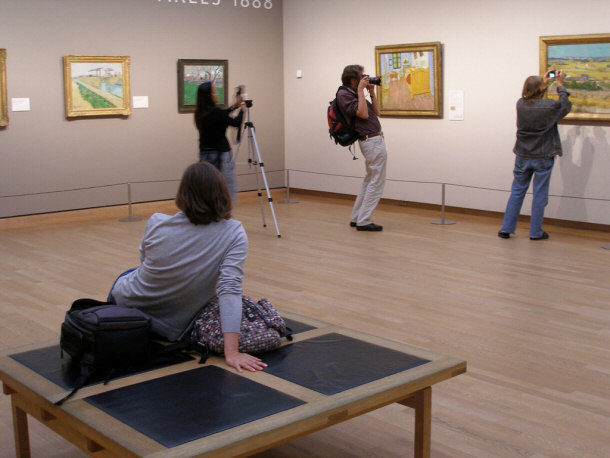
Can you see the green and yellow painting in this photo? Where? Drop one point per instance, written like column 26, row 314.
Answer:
column 587, row 70
column 97, row 85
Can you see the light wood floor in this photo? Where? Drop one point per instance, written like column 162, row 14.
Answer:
column 531, row 318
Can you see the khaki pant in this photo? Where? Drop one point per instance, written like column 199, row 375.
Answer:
column 375, row 155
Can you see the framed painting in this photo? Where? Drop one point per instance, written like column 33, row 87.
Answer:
column 411, row 79
column 3, row 99
column 192, row 73
column 96, row 86
column 585, row 60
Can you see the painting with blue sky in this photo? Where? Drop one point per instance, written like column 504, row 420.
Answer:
column 586, row 65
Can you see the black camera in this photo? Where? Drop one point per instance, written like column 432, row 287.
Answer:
column 241, row 90
column 374, row 79
column 553, row 74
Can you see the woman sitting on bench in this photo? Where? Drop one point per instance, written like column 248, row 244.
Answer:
column 187, row 259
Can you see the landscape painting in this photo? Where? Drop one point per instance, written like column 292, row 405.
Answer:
column 585, row 60
column 96, row 85
column 3, row 100
column 192, row 73
column 410, row 79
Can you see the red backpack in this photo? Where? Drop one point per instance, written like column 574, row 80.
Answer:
column 341, row 130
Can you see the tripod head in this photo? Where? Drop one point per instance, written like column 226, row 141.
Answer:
column 249, row 103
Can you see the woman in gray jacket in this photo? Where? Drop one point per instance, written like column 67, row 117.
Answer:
column 537, row 145
column 187, row 259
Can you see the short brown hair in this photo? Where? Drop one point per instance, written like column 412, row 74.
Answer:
column 351, row 72
column 203, row 194
column 532, row 88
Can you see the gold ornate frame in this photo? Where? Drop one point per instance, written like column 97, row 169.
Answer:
column 587, row 77
column 411, row 79
column 3, row 99
column 86, row 93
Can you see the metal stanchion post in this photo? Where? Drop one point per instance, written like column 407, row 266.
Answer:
column 443, row 220
column 130, row 217
column 288, row 201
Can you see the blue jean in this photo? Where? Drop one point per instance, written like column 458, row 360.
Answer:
column 524, row 169
column 224, row 162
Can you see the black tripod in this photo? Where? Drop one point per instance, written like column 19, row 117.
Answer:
column 257, row 161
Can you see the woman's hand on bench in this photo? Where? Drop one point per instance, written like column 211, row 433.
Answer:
column 239, row 360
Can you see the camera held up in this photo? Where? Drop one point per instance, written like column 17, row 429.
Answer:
column 240, row 90
column 376, row 80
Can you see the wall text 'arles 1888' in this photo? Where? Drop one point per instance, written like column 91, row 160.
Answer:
column 267, row 4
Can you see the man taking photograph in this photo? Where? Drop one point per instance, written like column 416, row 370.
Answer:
column 353, row 103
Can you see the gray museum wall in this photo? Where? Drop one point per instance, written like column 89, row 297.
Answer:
column 49, row 163
column 489, row 48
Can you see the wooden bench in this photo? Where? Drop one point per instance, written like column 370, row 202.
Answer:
column 303, row 394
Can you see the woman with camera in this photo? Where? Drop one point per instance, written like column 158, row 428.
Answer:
column 212, row 122
column 537, row 145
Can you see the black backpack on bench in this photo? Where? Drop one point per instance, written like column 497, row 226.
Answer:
column 101, row 336
column 104, row 335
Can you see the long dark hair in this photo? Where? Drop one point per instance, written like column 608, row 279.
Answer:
column 203, row 194
column 532, row 88
column 204, row 100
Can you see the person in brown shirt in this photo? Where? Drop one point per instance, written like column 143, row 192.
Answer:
column 352, row 101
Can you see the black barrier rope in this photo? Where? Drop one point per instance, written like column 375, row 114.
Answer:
column 447, row 184
column 301, row 171
column 62, row 190
column 107, row 186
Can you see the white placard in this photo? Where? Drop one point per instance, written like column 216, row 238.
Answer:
column 140, row 101
column 20, row 104
column 456, row 105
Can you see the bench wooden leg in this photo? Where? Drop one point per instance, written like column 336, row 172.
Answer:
column 20, row 428
column 421, row 401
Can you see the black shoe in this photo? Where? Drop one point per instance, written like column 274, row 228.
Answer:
column 544, row 236
column 370, row 227
column 352, row 224
column 504, row 235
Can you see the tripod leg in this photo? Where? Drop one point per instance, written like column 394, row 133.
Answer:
column 253, row 161
column 269, row 198
column 260, row 198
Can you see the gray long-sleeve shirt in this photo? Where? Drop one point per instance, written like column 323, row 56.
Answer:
column 183, row 266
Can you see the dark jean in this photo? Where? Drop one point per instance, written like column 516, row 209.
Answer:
column 541, row 170
column 110, row 298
